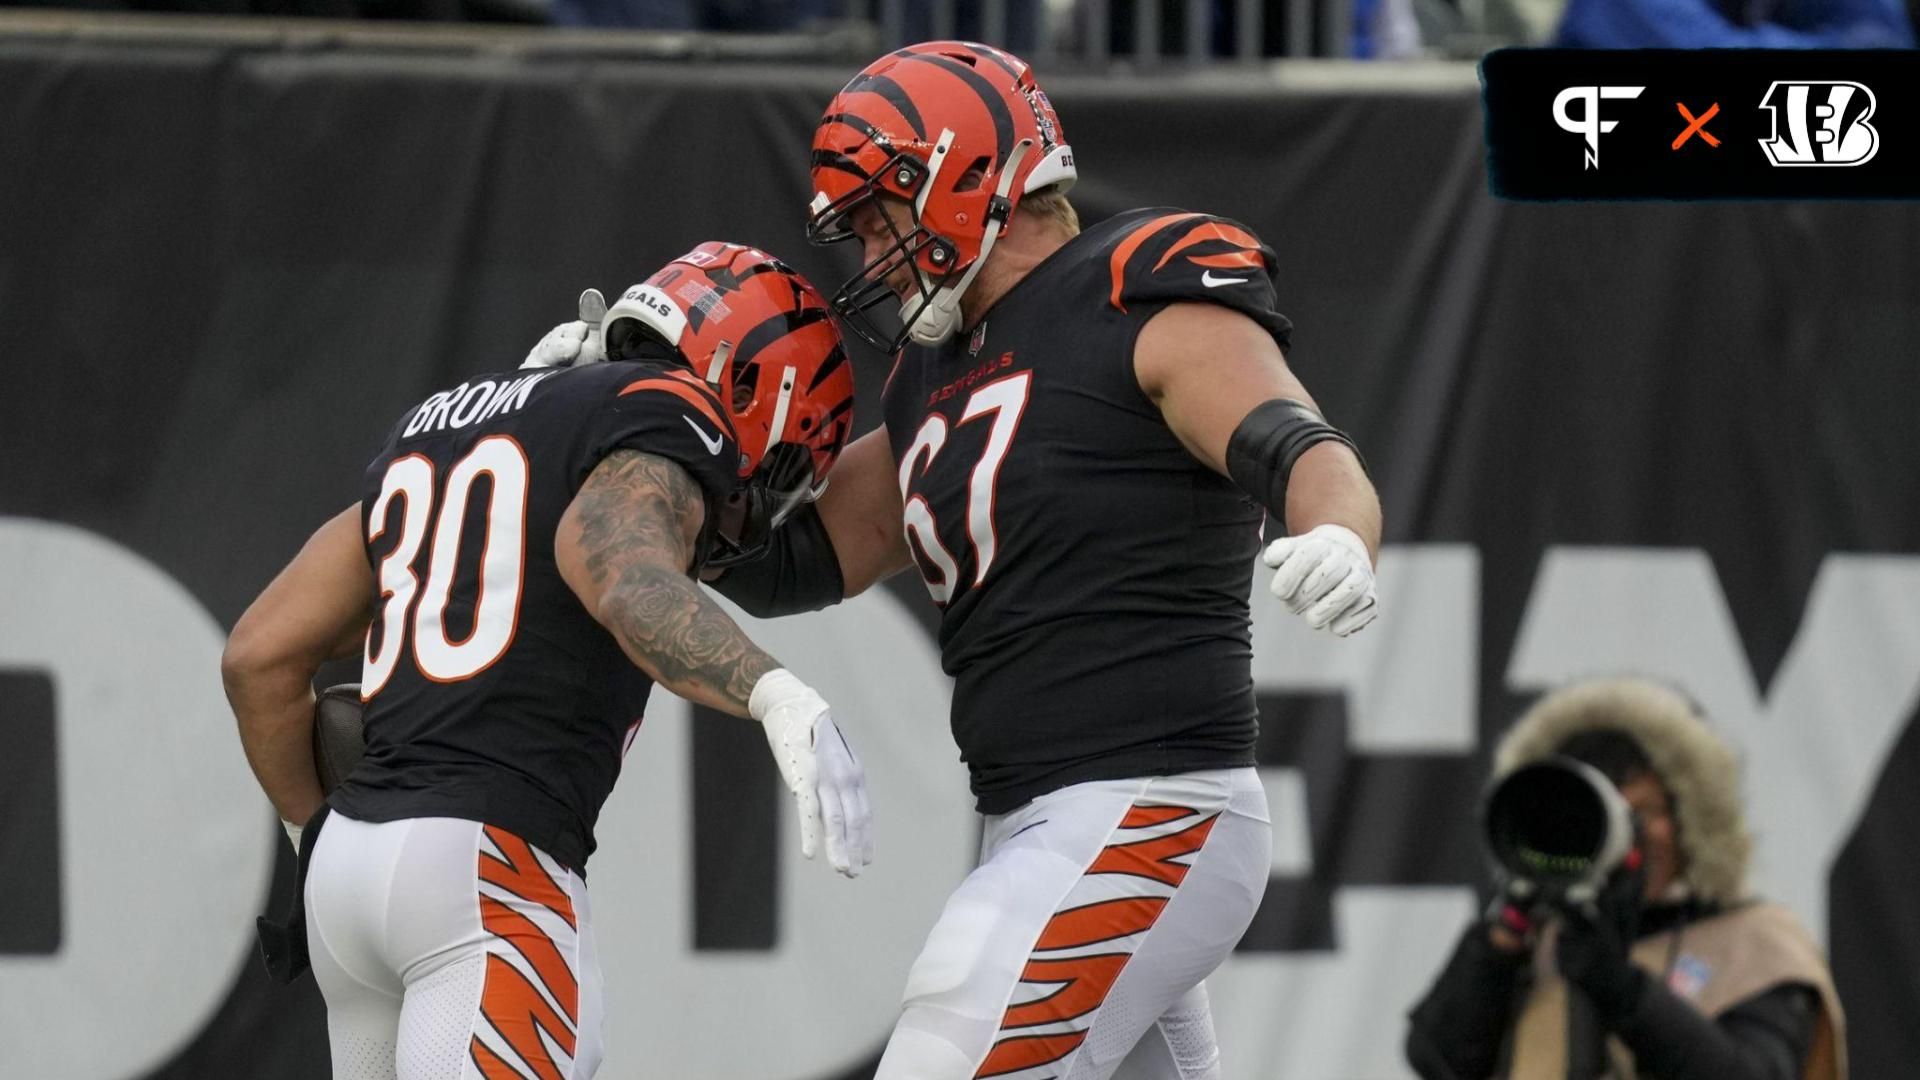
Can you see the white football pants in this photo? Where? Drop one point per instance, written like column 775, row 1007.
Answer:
column 1076, row 949
column 449, row 950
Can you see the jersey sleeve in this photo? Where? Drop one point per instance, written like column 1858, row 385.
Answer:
column 669, row 414
column 1178, row 257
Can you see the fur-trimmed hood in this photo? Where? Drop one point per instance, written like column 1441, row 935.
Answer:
column 1698, row 769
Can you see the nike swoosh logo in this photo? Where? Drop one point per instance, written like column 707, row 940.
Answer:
column 1212, row 282
column 711, row 442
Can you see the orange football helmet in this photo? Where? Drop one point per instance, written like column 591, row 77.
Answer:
column 957, row 131
column 764, row 341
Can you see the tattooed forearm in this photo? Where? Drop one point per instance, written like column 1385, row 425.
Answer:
column 638, row 518
column 684, row 637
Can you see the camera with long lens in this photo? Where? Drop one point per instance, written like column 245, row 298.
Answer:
column 1558, row 827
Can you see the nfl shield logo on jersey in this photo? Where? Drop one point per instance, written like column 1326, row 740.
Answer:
column 979, row 339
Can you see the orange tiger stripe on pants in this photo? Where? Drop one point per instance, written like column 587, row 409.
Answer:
column 513, row 1005
column 490, row 1065
column 1019, row 1052
column 523, row 875
column 540, row 951
column 1084, row 981
column 1154, row 858
column 510, row 1001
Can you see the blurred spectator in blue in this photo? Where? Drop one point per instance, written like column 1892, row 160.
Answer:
column 1762, row 24
column 1385, row 30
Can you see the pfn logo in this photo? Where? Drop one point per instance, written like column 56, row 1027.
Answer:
column 1589, row 124
column 1826, row 124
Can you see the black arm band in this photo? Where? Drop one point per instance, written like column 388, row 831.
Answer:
column 800, row 571
column 1261, row 453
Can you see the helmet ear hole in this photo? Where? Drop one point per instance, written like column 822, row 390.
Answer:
column 631, row 339
column 744, row 385
column 975, row 175
column 620, row 337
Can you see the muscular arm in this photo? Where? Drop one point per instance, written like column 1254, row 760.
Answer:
column 1206, row 367
column 316, row 610
column 624, row 546
column 861, row 510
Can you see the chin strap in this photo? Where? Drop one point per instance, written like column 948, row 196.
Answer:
column 938, row 317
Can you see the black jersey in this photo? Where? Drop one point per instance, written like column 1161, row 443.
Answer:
column 1093, row 574
column 492, row 694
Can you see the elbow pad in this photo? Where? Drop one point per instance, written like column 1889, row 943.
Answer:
column 1261, row 453
column 799, row 572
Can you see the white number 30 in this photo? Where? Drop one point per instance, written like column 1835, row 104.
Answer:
column 496, row 606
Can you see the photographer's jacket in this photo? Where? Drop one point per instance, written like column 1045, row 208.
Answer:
column 1754, row 958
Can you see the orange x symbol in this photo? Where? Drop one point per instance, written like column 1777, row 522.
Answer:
column 1697, row 125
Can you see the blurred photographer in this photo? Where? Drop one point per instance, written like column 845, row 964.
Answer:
column 1643, row 957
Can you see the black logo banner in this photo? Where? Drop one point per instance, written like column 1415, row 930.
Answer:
column 1702, row 124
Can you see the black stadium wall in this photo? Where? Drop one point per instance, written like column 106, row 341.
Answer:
column 1674, row 439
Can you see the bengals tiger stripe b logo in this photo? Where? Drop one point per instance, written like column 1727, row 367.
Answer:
column 530, row 1001
column 1819, row 124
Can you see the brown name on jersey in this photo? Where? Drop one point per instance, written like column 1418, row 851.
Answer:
column 471, row 403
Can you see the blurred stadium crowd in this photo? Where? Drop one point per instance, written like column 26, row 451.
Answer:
column 1096, row 30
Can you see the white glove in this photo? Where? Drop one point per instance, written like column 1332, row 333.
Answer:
column 821, row 772
column 576, row 342
column 1325, row 576
column 565, row 345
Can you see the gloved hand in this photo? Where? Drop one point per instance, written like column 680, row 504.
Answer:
column 824, row 777
column 565, row 345
column 573, row 343
column 1325, row 576
column 1595, row 936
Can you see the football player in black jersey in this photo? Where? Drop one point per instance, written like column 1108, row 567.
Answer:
column 1084, row 432
column 518, row 576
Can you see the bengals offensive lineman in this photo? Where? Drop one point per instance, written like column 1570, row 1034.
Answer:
column 1084, row 432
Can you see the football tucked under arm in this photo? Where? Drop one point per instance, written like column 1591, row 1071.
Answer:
column 339, row 733
column 317, row 609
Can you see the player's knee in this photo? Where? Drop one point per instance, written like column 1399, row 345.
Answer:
column 1191, row 1042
